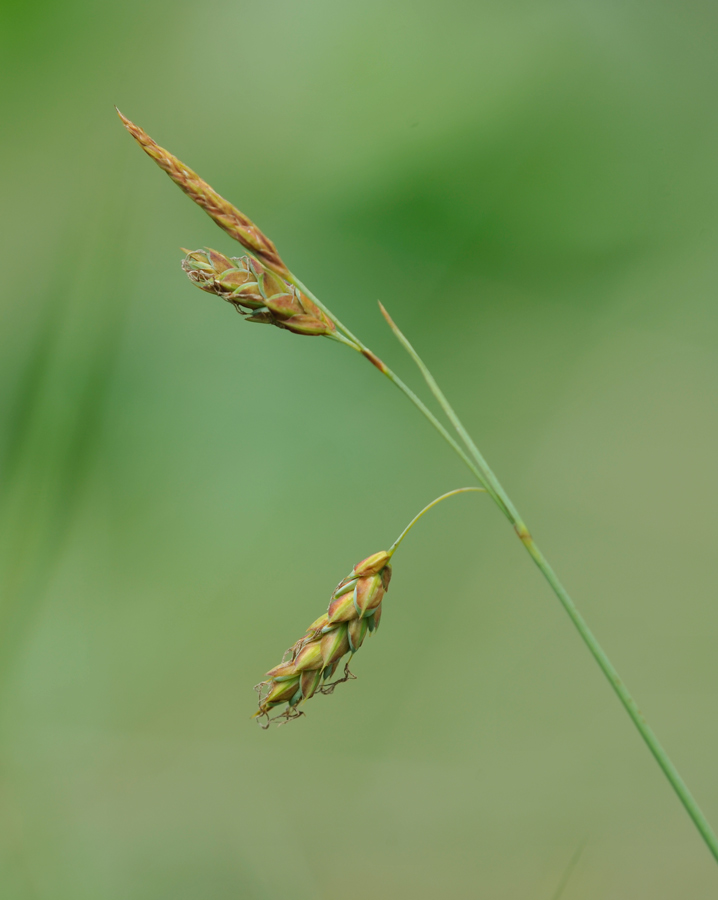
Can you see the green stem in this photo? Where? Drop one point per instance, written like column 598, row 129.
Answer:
column 357, row 345
column 496, row 490
column 480, row 468
column 491, row 481
column 425, row 510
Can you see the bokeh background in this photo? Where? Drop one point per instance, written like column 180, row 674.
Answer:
column 531, row 188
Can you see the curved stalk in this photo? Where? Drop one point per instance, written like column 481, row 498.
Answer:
column 425, row 510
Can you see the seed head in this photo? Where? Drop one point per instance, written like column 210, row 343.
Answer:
column 354, row 611
column 255, row 292
column 227, row 216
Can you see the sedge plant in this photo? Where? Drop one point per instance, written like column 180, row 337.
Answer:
column 264, row 290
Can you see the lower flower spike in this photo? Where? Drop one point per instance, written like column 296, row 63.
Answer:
column 354, row 611
column 354, row 607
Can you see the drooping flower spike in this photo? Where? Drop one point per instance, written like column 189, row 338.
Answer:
column 309, row 664
column 354, row 611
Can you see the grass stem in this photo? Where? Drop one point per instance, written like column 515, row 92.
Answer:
column 500, row 496
column 360, row 347
column 476, row 463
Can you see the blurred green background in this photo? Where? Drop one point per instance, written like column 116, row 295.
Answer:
column 531, row 188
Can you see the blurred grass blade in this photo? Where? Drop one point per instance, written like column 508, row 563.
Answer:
column 56, row 423
column 568, row 872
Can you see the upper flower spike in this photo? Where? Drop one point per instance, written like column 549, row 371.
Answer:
column 228, row 217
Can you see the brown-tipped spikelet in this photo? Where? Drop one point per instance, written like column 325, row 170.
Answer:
column 258, row 294
column 354, row 611
column 227, row 216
